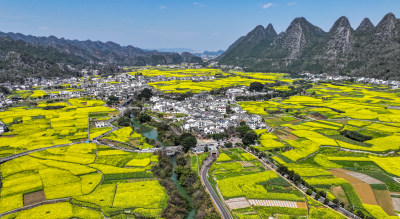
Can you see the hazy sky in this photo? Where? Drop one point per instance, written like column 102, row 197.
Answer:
column 199, row 25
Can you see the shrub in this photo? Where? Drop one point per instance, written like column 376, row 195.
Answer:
column 355, row 135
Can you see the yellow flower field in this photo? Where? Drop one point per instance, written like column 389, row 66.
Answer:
column 67, row 172
column 33, row 128
column 146, row 194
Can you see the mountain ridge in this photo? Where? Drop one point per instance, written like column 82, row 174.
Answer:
column 103, row 56
column 370, row 51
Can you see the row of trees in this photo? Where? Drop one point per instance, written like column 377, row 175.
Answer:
column 177, row 205
column 355, row 135
column 190, row 180
column 296, row 179
column 144, row 95
column 259, row 87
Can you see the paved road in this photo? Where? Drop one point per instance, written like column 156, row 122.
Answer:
column 34, row 205
column 4, row 159
column 214, row 197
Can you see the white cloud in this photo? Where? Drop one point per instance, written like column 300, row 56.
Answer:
column 198, row 4
column 291, row 3
column 162, row 7
column 266, row 5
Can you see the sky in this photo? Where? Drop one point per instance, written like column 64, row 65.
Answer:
column 199, row 24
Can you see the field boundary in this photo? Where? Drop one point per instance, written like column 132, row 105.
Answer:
column 53, row 201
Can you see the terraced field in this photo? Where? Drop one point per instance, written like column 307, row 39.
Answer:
column 90, row 180
column 349, row 126
column 245, row 184
column 68, row 177
column 48, row 124
column 229, row 80
column 181, row 73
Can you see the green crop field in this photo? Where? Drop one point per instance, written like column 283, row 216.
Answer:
column 127, row 135
column 39, row 127
column 91, row 180
column 239, row 174
column 87, row 176
column 345, row 126
column 340, row 139
column 229, row 80
column 181, row 73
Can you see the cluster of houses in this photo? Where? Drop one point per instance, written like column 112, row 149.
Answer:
column 2, row 127
column 4, row 101
column 163, row 78
column 121, row 85
column 323, row 77
column 207, row 114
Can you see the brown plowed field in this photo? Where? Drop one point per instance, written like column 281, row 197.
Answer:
column 301, row 204
column 283, row 137
column 288, row 129
column 385, row 201
column 292, row 137
column 364, row 190
column 34, row 197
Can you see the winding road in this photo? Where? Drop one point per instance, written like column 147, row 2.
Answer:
column 4, row 159
column 214, row 197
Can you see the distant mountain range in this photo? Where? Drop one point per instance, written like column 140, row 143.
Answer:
column 24, row 56
column 370, row 51
column 178, row 50
column 204, row 54
column 209, row 54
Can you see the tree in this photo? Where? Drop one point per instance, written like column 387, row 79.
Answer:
column 249, row 138
column 360, row 214
column 229, row 109
column 162, row 126
column 242, row 130
column 137, row 104
column 187, row 140
column 181, row 161
column 144, row 117
column 124, row 121
column 4, row 90
column 174, row 139
column 112, row 100
column 146, row 94
column 355, row 135
column 228, row 144
column 322, row 193
column 206, row 149
column 256, row 86
column 230, row 130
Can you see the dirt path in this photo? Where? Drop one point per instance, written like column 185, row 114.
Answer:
column 363, row 189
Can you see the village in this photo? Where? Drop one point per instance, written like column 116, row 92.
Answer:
column 202, row 113
column 208, row 114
